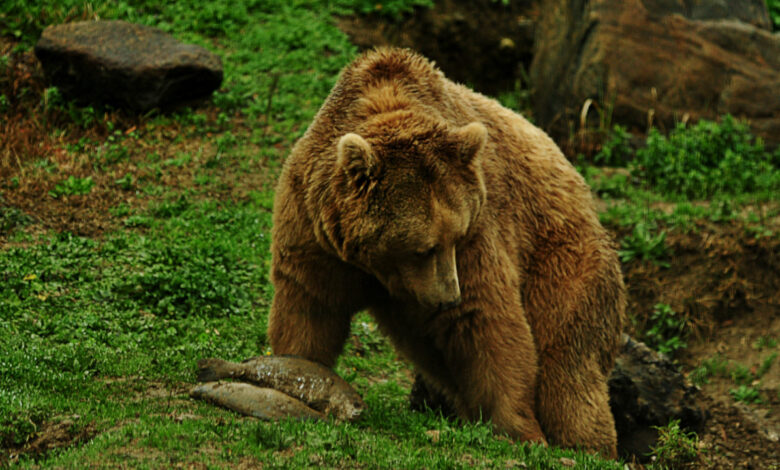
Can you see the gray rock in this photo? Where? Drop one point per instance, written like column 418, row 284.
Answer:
column 126, row 64
column 646, row 390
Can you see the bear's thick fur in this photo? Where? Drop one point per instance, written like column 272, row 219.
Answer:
column 468, row 236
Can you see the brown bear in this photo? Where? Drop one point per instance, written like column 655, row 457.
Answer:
column 466, row 233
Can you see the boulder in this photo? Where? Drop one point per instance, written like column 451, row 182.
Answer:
column 126, row 65
column 646, row 390
column 655, row 62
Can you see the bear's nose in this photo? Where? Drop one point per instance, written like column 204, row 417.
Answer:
column 449, row 305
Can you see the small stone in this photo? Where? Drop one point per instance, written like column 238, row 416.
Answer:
column 514, row 463
column 567, row 462
column 185, row 417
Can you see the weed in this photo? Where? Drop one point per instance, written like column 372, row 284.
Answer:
column 120, row 211
column 745, row 378
column 714, row 366
column 274, row 437
column 763, row 368
column 113, row 150
column 667, row 330
column 740, row 374
column 746, row 394
column 392, row 8
column 616, row 151
column 138, row 221
column 72, row 186
column 518, row 99
column 765, row 342
column 17, row 427
column 611, row 187
column 774, row 12
column 675, row 449
column 126, row 182
column 643, row 245
column 11, row 218
column 706, row 159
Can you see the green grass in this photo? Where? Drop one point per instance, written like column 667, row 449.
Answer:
column 774, row 12
column 675, row 448
column 666, row 331
column 106, row 331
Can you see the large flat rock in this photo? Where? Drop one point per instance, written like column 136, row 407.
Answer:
column 656, row 61
column 126, row 64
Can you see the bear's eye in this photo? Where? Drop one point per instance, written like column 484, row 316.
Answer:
column 426, row 253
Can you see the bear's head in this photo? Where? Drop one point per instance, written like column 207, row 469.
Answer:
column 410, row 189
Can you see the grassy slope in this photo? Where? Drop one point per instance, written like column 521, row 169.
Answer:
column 103, row 333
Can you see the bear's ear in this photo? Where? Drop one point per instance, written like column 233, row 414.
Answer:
column 355, row 158
column 469, row 140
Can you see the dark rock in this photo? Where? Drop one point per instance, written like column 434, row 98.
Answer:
column 125, row 64
column 656, row 61
column 484, row 43
column 645, row 388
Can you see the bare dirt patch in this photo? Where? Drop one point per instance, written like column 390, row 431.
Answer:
column 51, row 435
column 121, row 153
column 716, row 274
column 726, row 283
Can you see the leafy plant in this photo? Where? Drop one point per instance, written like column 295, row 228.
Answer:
column 675, row 449
column 393, row 8
column 745, row 378
column 774, row 12
column 17, row 427
column 126, row 182
column 616, row 151
column 707, row 159
column 11, row 217
column 765, row 342
column 204, row 280
column 613, row 186
column 72, row 186
column 667, row 330
column 643, row 245
column 517, row 99
column 714, row 366
column 746, row 394
column 763, row 368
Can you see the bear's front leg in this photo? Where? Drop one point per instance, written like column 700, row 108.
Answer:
column 494, row 360
column 314, row 300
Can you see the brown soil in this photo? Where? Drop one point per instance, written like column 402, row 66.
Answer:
column 33, row 161
column 52, row 435
column 726, row 283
